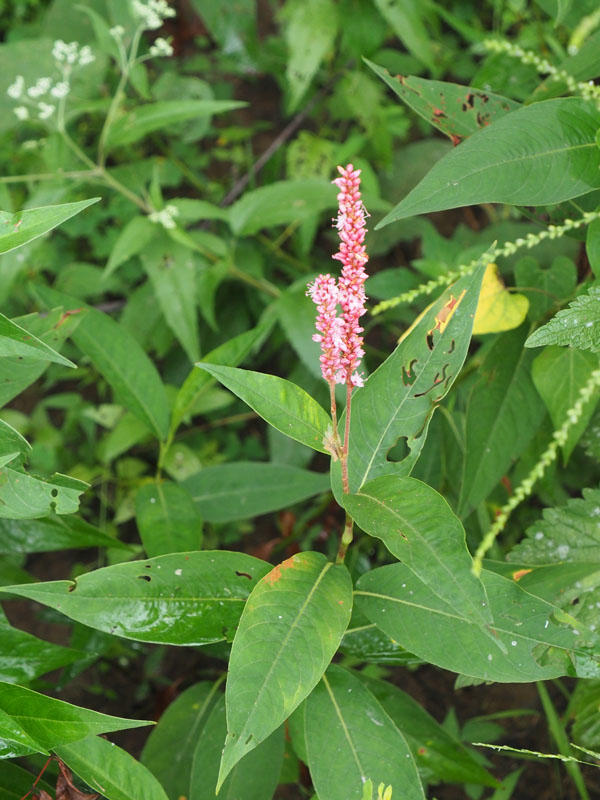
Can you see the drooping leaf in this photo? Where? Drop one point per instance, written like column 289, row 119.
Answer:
column 255, row 777
column 167, row 519
column 43, row 535
column 110, row 770
column 182, row 599
column 418, row 526
column 169, row 750
column 498, row 309
column 399, row 398
column 350, row 739
column 458, row 111
column 577, row 326
column 24, row 497
column 291, row 626
column 503, row 413
column 401, row 605
column 559, row 373
column 25, row 226
column 541, row 153
column 146, row 119
column 16, row 341
column 244, row 489
column 281, row 403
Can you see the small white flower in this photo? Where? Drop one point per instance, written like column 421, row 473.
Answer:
column 161, row 47
column 165, row 217
column 22, row 112
column 61, row 89
column 45, row 110
column 152, row 12
column 117, row 32
column 41, row 87
column 15, row 90
column 31, row 144
column 86, row 56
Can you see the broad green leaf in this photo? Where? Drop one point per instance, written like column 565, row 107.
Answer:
column 245, row 489
column 290, row 629
column 542, row 153
column 405, row 17
column 134, row 237
column 15, row 781
column 458, row 111
column 310, row 30
column 24, row 497
column 433, row 747
column 228, row 354
column 121, row 361
column 577, row 326
column 559, row 373
column 418, row 526
column 25, row 226
column 14, row 739
column 545, row 287
column 169, row 750
column 399, row 398
column 11, row 442
column 182, row 599
column 167, row 519
column 350, row 739
column 364, row 641
column 51, row 722
column 281, row 403
column 52, row 533
column 503, row 413
column 16, row 341
column 280, row 203
column 16, row 374
column 146, row 119
column 255, row 777
column 498, row 309
column 110, row 770
column 401, row 605
column 172, row 270
column 25, row 657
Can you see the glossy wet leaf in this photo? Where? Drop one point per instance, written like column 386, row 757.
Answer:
column 14, row 739
column 25, row 226
column 418, row 526
column 559, row 374
column 540, row 154
column 52, row 533
column 458, row 111
column 121, row 361
column 281, row 403
column 577, row 326
column 183, row 598
column 433, row 747
column 16, row 341
column 167, row 519
column 398, row 399
column 350, row 739
column 498, row 309
column 51, row 722
column 504, row 411
column 146, row 119
column 243, row 489
column 169, row 750
column 255, row 777
column 110, row 770
column 401, row 605
column 23, row 496
column 290, row 629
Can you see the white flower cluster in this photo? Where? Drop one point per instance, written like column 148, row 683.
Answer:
column 70, row 54
column 161, row 47
column 165, row 217
column 151, row 13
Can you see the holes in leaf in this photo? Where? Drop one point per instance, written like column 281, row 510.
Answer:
column 243, row 575
column 72, row 587
column 249, row 739
column 409, row 376
column 452, row 346
column 54, row 492
column 429, row 340
column 439, row 378
column 399, row 451
column 145, row 578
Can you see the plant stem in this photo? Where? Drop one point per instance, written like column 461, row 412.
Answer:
column 346, row 539
column 347, row 534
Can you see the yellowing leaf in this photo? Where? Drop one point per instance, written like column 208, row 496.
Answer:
column 498, row 309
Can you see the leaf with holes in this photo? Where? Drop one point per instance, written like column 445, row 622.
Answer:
column 290, row 629
column 182, row 599
column 399, row 398
column 418, row 526
column 350, row 738
column 24, row 497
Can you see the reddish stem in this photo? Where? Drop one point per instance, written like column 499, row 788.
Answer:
column 37, row 780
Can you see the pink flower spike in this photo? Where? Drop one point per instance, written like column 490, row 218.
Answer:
column 324, row 293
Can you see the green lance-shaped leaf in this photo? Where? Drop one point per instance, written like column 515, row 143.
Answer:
column 25, row 226
column 418, row 526
column 24, row 497
column 458, row 111
column 167, row 519
column 411, row 613
column 50, row 723
column 120, row 360
column 14, row 739
column 16, row 341
column 110, row 770
column 350, row 739
column 43, row 535
column 290, row 629
column 398, row 399
column 182, row 598
column 169, row 750
column 576, row 326
column 281, row 403
column 542, row 153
